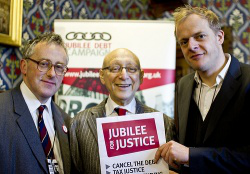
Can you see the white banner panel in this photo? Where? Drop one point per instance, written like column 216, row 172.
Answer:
column 88, row 41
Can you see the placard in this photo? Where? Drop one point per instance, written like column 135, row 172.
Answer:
column 127, row 144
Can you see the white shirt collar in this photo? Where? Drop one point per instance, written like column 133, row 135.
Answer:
column 220, row 77
column 32, row 102
column 111, row 105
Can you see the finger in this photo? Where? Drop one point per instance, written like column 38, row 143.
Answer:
column 170, row 161
column 157, row 156
column 169, row 156
column 166, row 156
column 165, row 150
column 158, row 153
column 173, row 163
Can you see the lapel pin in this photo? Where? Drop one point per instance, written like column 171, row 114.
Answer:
column 65, row 130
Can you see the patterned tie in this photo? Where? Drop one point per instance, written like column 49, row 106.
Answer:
column 120, row 111
column 44, row 136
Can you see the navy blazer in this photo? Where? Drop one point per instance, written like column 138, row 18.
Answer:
column 20, row 146
column 226, row 144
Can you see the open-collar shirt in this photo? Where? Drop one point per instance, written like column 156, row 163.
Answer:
column 205, row 95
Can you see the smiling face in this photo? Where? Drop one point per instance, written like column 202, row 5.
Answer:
column 122, row 85
column 43, row 84
column 200, row 45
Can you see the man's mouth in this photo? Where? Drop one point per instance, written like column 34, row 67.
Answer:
column 52, row 83
column 123, row 86
column 196, row 56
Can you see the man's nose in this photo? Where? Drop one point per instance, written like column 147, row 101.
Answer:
column 193, row 44
column 51, row 72
column 124, row 73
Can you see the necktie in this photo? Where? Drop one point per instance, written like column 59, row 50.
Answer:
column 120, row 111
column 44, row 136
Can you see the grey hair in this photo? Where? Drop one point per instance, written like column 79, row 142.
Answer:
column 49, row 38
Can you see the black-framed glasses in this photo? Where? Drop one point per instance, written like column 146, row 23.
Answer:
column 118, row 69
column 45, row 65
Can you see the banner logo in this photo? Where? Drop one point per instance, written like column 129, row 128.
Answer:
column 88, row 36
column 130, row 136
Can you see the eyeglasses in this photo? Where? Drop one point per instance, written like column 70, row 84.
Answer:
column 45, row 65
column 117, row 69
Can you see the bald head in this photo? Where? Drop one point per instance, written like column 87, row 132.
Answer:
column 120, row 53
column 122, row 75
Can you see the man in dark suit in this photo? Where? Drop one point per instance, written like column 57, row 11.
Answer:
column 29, row 139
column 122, row 75
column 213, row 103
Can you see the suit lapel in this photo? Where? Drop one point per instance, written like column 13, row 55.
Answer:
column 184, row 96
column 139, row 107
column 62, row 136
column 96, row 112
column 27, row 127
column 227, row 91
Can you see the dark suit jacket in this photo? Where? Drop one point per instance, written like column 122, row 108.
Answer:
column 226, row 145
column 20, row 146
column 84, row 141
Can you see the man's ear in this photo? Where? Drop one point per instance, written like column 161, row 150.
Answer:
column 141, row 76
column 220, row 37
column 101, row 75
column 23, row 66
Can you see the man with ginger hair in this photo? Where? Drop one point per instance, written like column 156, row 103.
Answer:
column 212, row 111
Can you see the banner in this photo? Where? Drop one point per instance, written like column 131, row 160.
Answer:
column 89, row 41
column 127, row 144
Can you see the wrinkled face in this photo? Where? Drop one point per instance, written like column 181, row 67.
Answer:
column 43, row 84
column 122, row 85
column 199, row 44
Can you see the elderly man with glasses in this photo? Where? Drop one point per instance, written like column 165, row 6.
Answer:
column 33, row 129
column 122, row 75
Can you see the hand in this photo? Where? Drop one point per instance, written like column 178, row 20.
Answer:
column 173, row 153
